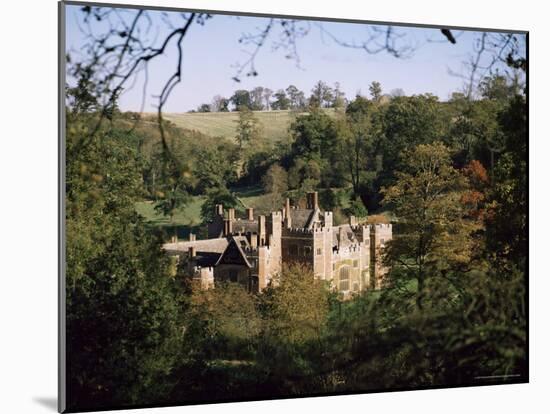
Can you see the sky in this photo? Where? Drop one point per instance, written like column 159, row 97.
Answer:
column 212, row 51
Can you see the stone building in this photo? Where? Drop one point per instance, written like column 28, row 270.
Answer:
column 252, row 250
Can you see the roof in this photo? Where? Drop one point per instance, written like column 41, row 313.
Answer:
column 207, row 259
column 304, row 217
column 245, row 226
column 217, row 245
column 347, row 232
column 234, row 253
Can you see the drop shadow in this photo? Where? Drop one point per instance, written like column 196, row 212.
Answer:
column 47, row 402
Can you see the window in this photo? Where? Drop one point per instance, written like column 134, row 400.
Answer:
column 343, row 283
column 356, row 263
column 319, row 252
column 307, row 251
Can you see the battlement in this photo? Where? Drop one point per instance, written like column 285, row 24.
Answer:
column 352, row 248
column 385, row 226
column 299, row 230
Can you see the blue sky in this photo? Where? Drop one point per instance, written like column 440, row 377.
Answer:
column 211, row 52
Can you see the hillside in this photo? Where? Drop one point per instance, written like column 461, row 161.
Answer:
column 274, row 123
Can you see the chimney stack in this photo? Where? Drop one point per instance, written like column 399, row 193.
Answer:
column 261, row 231
column 352, row 221
column 312, row 200
column 340, row 236
column 227, row 227
column 231, row 213
column 192, row 251
column 192, row 237
column 250, row 213
column 218, row 210
column 288, row 221
column 253, row 238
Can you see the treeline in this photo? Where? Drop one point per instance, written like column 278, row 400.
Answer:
column 265, row 99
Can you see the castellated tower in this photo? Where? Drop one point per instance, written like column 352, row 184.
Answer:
column 322, row 248
column 275, row 256
column 380, row 234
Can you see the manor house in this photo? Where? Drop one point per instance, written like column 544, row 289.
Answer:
column 252, row 250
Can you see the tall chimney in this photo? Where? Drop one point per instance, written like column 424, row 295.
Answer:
column 288, row 220
column 312, row 200
column 227, row 227
column 192, row 237
column 192, row 251
column 250, row 213
column 218, row 210
column 231, row 214
column 261, row 231
column 352, row 221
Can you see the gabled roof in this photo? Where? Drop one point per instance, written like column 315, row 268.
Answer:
column 234, row 253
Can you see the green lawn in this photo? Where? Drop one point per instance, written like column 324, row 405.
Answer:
column 187, row 219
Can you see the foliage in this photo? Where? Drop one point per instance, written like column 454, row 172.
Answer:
column 435, row 238
column 214, row 196
column 122, row 315
column 248, row 129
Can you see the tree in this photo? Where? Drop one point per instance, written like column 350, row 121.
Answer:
column 375, row 90
column 257, row 99
column 275, row 182
column 82, row 98
column 173, row 182
column 267, row 94
column 214, row 196
column 356, row 138
column 498, row 88
column 281, row 101
column 248, row 128
column 220, row 104
column 123, row 318
column 241, row 99
column 298, row 306
column 314, row 135
column 435, row 237
column 338, row 97
column 507, row 227
column 405, row 123
column 321, row 95
column 216, row 167
column 204, row 108
column 296, row 98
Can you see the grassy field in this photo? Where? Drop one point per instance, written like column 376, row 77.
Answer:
column 188, row 218
column 274, row 123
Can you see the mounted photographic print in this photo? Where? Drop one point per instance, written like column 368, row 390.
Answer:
column 260, row 207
